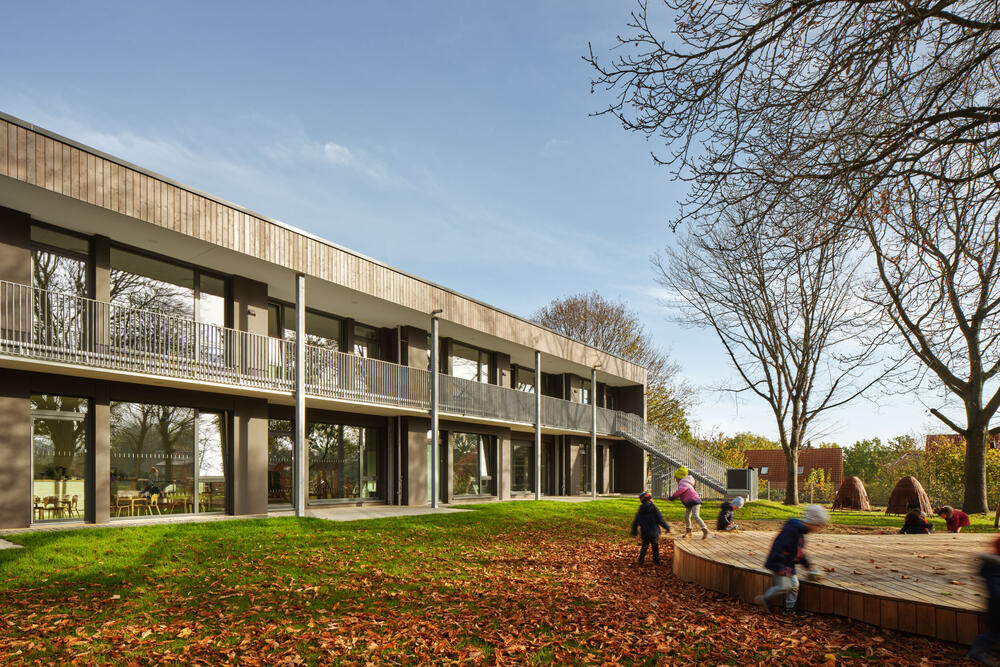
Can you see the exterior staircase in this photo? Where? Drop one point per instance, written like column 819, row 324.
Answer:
column 667, row 453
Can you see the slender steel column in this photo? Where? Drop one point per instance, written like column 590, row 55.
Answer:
column 593, row 432
column 301, row 456
column 435, row 431
column 538, row 425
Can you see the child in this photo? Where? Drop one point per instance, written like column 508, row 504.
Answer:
column 690, row 499
column 916, row 524
column 984, row 646
column 953, row 518
column 649, row 519
column 725, row 520
column 787, row 550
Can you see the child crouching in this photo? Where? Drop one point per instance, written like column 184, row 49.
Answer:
column 788, row 550
column 648, row 520
column 725, row 521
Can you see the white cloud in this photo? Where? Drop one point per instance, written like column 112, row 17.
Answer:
column 337, row 154
column 554, row 148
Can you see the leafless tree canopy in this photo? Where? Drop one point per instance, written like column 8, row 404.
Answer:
column 782, row 91
column 936, row 248
column 784, row 310
column 613, row 327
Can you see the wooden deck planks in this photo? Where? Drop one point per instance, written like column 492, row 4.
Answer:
column 924, row 584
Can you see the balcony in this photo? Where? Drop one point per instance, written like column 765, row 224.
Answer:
column 67, row 330
column 64, row 329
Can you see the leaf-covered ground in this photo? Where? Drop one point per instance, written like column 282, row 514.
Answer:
column 511, row 583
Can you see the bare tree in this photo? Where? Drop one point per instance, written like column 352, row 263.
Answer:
column 613, row 327
column 784, row 311
column 936, row 248
column 794, row 90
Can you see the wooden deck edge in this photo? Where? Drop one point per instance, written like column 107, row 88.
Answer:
column 937, row 621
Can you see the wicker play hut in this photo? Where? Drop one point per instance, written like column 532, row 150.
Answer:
column 852, row 496
column 907, row 495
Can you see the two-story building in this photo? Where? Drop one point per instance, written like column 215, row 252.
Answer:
column 164, row 351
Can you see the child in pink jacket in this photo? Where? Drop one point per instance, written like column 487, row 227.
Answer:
column 690, row 499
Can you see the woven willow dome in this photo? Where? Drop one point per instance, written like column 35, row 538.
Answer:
column 907, row 495
column 852, row 496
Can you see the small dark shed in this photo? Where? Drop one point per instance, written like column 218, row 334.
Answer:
column 907, row 495
column 852, row 496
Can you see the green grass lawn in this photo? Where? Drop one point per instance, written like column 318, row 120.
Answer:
column 537, row 582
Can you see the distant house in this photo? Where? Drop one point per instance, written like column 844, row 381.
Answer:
column 954, row 439
column 770, row 465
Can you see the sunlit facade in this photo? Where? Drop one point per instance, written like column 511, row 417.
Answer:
column 150, row 363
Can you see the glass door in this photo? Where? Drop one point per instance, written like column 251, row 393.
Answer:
column 214, row 464
column 60, row 443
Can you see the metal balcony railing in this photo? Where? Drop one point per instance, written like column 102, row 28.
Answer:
column 64, row 328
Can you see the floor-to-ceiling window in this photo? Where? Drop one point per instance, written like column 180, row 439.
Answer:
column 280, row 443
column 59, row 273
column 60, row 441
column 473, row 464
column 470, row 363
column 522, row 466
column 167, row 459
column 343, row 461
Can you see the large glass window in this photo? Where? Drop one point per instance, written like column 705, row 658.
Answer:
column 214, row 464
column 59, row 269
column 60, row 442
column 524, row 379
column 584, row 454
column 583, row 395
column 366, row 341
column 470, row 363
column 343, row 462
column 280, row 441
column 522, row 478
column 322, row 330
column 167, row 460
column 147, row 283
column 473, row 464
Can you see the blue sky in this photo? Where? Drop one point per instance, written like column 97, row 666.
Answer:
column 449, row 139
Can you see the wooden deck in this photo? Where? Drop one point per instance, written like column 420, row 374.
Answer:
column 924, row 584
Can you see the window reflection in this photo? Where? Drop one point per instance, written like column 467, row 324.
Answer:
column 470, row 363
column 473, row 464
column 524, row 380
column 343, row 462
column 522, row 467
column 366, row 341
column 60, row 441
column 280, row 441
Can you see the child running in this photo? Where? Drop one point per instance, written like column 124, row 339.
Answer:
column 690, row 499
column 984, row 647
column 725, row 520
column 954, row 519
column 787, row 550
column 649, row 520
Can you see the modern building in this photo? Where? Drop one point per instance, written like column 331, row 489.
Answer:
column 771, row 465
column 164, row 351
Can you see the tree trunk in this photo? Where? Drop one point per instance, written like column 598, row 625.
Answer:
column 976, row 439
column 792, row 477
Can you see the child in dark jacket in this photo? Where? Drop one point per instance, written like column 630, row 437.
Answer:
column 725, row 520
column 916, row 524
column 788, row 550
column 647, row 523
column 984, row 646
column 953, row 518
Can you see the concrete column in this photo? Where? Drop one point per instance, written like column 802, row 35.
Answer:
column 249, row 470
column 538, row 425
column 301, row 454
column 15, row 266
column 15, row 450
column 503, row 465
column 593, row 433
column 99, row 464
column 435, row 427
column 417, row 472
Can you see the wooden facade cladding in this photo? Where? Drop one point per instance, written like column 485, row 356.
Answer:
column 39, row 158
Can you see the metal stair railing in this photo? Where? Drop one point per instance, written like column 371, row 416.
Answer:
column 704, row 467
